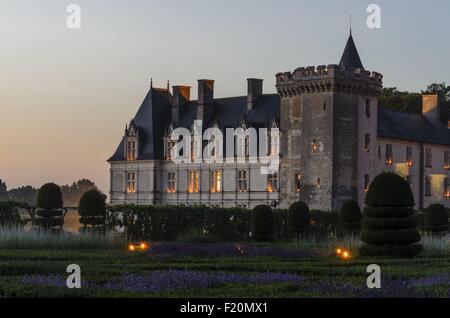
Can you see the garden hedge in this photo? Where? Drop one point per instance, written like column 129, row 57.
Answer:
column 389, row 226
column 49, row 203
column 350, row 216
column 436, row 218
column 298, row 218
column 262, row 223
column 92, row 208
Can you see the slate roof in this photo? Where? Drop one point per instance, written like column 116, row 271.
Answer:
column 350, row 58
column 154, row 117
column 411, row 127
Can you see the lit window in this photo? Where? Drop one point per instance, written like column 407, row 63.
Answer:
column 446, row 188
column 446, row 160
column 368, row 108
column 409, row 157
column 131, row 150
column 272, row 182
column 193, row 182
column 216, row 182
column 131, row 182
column 366, row 182
column 298, row 182
column 367, row 143
column 389, row 155
column 428, row 186
column 314, row 146
column 242, row 181
column 428, row 158
column 171, row 182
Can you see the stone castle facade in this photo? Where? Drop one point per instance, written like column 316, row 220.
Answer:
column 334, row 139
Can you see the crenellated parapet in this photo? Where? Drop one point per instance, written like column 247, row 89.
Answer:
column 331, row 78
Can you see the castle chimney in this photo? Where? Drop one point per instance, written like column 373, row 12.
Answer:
column 430, row 107
column 205, row 105
column 181, row 96
column 255, row 90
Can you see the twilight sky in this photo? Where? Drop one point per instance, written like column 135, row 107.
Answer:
column 66, row 95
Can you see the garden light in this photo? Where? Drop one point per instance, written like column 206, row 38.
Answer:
column 343, row 254
column 139, row 246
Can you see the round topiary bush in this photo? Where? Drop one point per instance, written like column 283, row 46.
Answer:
column 350, row 216
column 92, row 208
column 49, row 197
column 262, row 223
column 389, row 225
column 436, row 218
column 298, row 218
column 49, row 202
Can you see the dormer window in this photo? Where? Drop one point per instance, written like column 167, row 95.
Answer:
column 131, row 142
column 131, row 150
column 170, row 144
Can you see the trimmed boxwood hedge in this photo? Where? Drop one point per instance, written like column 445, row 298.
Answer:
column 389, row 226
column 298, row 218
column 350, row 216
column 92, row 208
column 262, row 223
column 436, row 218
column 49, row 197
column 389, row 190
column 389, row 223
column 49, row 203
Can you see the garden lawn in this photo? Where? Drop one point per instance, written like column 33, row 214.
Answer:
column 119, row 273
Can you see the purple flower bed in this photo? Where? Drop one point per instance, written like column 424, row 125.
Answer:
column 436, row 280
column 170, row 280
column 390, row 288
column 225, row 250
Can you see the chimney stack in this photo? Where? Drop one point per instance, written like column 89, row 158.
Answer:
column 255, row 90
column 181, row 96
column 205, row 105
column 430, row 107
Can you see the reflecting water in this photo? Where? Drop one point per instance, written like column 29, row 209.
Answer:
column 71, row 221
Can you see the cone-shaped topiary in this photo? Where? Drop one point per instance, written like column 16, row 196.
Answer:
column 389, row 225
column 262, row 223
column 92, row 208
column 49, row 203
column 350, row 216
column 298, row 218
column 436, row 218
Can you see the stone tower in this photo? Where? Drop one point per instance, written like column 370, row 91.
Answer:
column 328, row 131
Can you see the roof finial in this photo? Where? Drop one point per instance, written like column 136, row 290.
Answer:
column 168, row 85
column 350, row 24
column 151, row 82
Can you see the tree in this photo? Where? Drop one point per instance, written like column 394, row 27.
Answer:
column 392, row 98
column 436, row 219
column 50, row 204
column 26, row 194
column 350, row 216
column 389, row 226
column 92, row 209
column 262, row 223
column 72, row 194
column 3, row 191
column 298, row 218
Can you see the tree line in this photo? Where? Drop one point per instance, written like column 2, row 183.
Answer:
column 71, row 194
